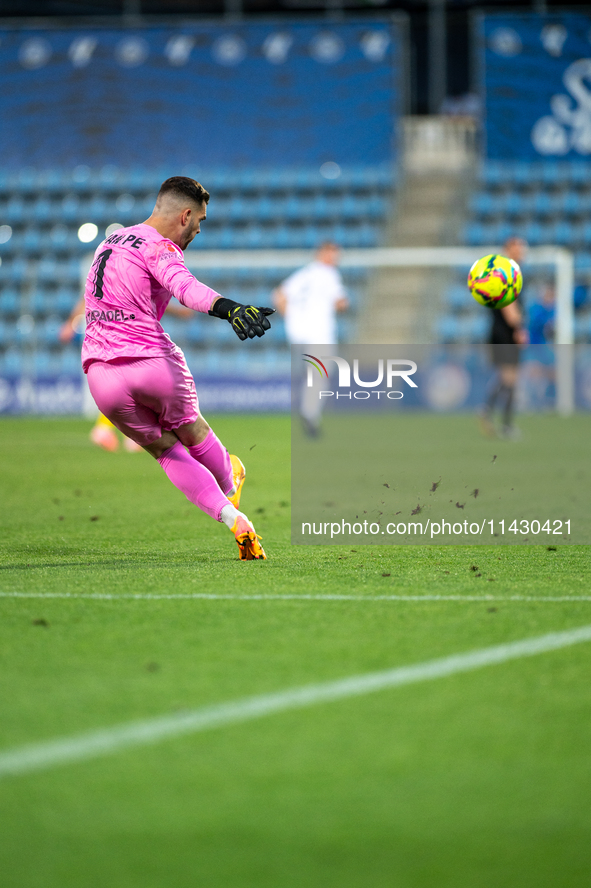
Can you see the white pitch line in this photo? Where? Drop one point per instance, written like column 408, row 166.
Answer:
column 38, row 756
column 207, row 596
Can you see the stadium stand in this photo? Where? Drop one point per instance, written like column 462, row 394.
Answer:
column 41, row 254
column 545, row 202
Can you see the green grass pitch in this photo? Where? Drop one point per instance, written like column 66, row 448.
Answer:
column 479, row 780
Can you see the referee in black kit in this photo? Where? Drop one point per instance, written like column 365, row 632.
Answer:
column 507, row 335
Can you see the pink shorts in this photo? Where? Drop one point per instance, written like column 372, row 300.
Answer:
column 144, row 396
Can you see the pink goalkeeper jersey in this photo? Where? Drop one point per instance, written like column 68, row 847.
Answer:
column 134, row 275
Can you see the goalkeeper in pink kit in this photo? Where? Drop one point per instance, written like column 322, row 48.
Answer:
column 139, row 378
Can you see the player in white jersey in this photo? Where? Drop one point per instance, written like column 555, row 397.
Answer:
column 309, row 300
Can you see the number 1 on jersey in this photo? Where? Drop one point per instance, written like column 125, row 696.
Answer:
column 101, row 261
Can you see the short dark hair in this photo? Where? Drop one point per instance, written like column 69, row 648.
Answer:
column 183, row 187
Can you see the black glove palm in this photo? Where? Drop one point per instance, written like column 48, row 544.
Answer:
column 248, row 321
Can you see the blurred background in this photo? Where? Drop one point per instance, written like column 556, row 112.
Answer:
column 372, row 124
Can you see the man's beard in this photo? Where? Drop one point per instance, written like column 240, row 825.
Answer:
column 186, row 240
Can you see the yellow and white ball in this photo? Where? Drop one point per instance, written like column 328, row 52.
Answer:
column 495, row 281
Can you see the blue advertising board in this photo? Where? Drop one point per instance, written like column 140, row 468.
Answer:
column 66, row 395
column 536, row 80
column 208, row 94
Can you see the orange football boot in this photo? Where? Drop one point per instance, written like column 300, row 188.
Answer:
column 249, row 547
column 238, row 476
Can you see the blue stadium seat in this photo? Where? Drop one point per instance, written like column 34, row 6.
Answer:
column 40, row 304
column 582, row 261
column 502, row 230
column 534, row 233
column 308, row 179
column 43, row 209
column 580, row 174
column 523, row 175
column 10, row 302
column 9, row 248
column 12, row 363
column 555, row 173
column 53, row 181
column 15, row 210
column 64, row 300
column 48, row 331
column 309, row 237
column 544, row 205
column 351, row 207
column 493, row 175
column 98, row 210
column 47, row 269
column 288, row 179
column 280, row 238
column 70, row 271
column 264, row 208
column 572, row 204
column 56, row 238
column 195, row 331
column 70, row 210
column 291, row 209
column 81, row 179
column 31, row 240
column 586, row 234
column 259, row 179
column 250, row 180
column 17, row 269
column 322, row 208
column 42, row 363
column 563, row 233
column 361, row 178
column 27, row 181
column 369, row 235
column 109, row 178
column 515, row 205
column 70, row 364
column 24, row 333
column 133, row 179
column 254, row 237
column 483, row 204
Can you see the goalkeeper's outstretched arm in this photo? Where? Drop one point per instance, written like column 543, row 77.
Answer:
column 247, row 321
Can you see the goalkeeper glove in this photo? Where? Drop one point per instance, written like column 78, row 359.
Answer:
column 247, row 321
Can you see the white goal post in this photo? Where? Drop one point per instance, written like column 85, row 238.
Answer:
column 561, row 260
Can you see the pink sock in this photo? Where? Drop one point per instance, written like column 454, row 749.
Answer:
column 212, row 454
column 194, row 480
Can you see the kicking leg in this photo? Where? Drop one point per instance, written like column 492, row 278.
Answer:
column 194, row 480
column 201, row 488
column 204, row 446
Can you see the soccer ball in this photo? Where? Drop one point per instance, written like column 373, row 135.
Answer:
column 495, row 281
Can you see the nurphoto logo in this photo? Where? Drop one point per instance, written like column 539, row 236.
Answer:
column 388, row 371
